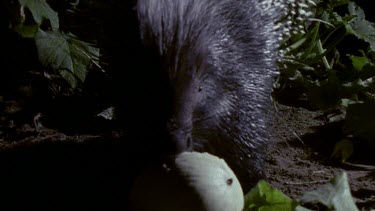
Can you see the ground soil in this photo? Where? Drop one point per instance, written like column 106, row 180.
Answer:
column 300, row 159
column 82, row 168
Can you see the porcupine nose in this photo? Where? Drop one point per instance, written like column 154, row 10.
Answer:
column 181, row 140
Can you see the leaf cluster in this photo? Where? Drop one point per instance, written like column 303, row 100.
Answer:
column 332, row 66
column 334, row 195
column 57, row 50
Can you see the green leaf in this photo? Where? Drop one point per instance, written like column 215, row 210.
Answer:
column 69, row 77
column 360, row 27
column 83, row 55
column 346, row 102
column 263, row 198
column 70, row 57
column 337, row 3
column 335, row 194
column 27, row 31
column 40, row 10
column 359, row 62
column 356, row 10
column 54, row 50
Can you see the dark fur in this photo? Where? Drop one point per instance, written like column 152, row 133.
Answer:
column 208, row 82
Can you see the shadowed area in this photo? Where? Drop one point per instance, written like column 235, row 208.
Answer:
column 95, row 175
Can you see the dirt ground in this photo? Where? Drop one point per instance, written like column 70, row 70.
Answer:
column 81, row 169
column 300, row 158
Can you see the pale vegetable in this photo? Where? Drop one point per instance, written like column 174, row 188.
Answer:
column 198, row 182
column 213, row 180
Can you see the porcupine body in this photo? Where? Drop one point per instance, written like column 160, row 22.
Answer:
column 205, row 79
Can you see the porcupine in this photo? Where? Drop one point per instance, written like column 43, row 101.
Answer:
column 205, row 78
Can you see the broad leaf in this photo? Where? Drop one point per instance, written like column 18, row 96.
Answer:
column 359, row 62
column 70, row 57
column 265, row 198
column 40, row 9
column 27, row 31
column 335, row 194
column 360, row 27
